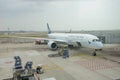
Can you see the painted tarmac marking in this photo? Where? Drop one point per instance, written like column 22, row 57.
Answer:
column 52, row 67
column 97, row 64
column 6, row 62
column 9, row 62
column 32, row 53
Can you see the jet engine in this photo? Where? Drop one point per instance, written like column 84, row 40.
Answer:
column 52, row 45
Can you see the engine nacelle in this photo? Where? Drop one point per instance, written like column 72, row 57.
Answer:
column 52, row 45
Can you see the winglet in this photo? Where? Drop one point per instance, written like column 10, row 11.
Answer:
column 49, row 31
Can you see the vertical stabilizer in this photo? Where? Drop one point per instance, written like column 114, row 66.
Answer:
column 49, row 31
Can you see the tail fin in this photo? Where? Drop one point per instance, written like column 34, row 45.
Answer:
column 49, row 31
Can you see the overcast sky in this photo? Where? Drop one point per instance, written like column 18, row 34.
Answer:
column 60, row 14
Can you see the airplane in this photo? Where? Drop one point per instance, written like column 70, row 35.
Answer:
column 71, row 39
column 82, row 40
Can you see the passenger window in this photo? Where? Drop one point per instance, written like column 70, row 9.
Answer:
column 93, row 40
column 97, row 40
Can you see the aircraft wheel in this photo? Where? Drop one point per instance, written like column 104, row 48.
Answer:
column 94, row 54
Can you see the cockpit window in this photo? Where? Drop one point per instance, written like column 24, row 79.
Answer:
column 94, row 40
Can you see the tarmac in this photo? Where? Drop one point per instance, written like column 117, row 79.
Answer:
column 81, row 65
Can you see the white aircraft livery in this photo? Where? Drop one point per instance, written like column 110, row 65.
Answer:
column 82, row 40
column 71, row 39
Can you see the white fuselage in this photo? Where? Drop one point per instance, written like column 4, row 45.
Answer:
column 85, row 40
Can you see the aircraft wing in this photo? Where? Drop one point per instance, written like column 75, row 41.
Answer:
column 55, row 40
column 46, row 39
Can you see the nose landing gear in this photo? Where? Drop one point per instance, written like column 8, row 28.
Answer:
column 94, row 53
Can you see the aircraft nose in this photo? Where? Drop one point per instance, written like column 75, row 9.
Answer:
column 100, row 45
